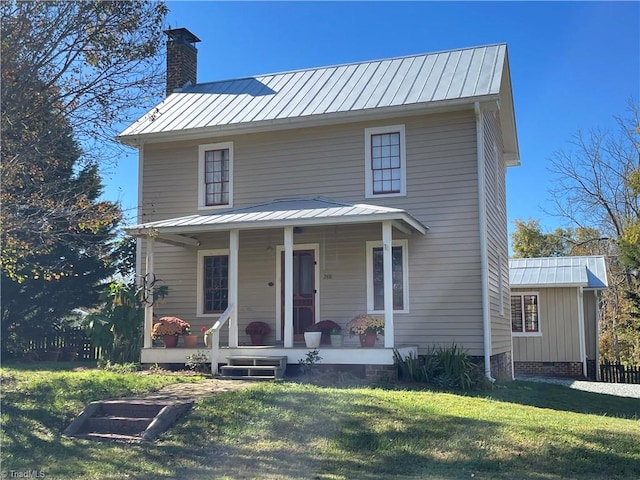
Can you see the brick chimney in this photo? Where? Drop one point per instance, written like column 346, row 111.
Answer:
column 182, row 58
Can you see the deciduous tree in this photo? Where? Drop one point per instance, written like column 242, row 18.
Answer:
column 595, row 188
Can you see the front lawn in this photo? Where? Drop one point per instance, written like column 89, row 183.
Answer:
column 296, row 431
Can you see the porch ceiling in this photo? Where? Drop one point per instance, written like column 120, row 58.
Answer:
column 282, row 213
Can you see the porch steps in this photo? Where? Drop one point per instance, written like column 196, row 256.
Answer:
column 126, row 420
column 249, row 367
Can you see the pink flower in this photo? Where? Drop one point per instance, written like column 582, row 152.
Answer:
column 203, row 329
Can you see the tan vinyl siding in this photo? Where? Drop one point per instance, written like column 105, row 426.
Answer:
column 559, row 342
column 497, row 242
column 444, row 264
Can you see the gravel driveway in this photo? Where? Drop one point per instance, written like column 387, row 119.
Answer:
column 618, row 389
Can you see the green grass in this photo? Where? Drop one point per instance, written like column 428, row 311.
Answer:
column 295, row 431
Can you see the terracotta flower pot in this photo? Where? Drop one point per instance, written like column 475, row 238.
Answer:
column 170, row 341
column 257, row 339
column 368, row 340
column 190, row 341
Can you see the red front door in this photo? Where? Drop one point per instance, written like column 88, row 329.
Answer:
column 304, row 292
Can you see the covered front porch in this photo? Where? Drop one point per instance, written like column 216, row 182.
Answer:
column 294, row 299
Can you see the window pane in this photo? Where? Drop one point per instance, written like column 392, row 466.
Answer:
column 378, row 278
column 531, row 313
column 516, row 314
column 216, row 283
column 216, row 177
column 385, row 158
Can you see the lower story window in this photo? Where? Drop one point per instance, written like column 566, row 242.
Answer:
column 213, row 281
column 375, row 276
column 524, row 313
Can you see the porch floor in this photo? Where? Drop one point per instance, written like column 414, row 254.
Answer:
column 345, row 355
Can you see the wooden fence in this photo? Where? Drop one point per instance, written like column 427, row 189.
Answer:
column 65, row 340
column 619, row 373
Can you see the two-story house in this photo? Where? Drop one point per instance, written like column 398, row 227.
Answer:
column 295, row 197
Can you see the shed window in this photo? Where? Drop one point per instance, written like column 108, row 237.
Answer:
column 524, row 314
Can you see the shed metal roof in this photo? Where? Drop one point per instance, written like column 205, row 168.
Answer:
column 582, row 271
column 281, row 213
column 412, row 81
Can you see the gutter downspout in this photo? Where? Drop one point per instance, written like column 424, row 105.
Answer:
column 484, row 261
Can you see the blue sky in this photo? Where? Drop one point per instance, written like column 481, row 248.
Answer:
column 574, row 65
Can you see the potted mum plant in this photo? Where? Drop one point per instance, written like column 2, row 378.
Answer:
column 367, row 327
column 169, row 329
column 257, row 331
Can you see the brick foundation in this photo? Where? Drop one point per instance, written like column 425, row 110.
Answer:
column 551, row 369
column 381, row 372
column 501, row 366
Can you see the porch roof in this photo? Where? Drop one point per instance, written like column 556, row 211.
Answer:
column 296, row 212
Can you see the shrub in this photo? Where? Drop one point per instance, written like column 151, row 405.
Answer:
column 444, row 367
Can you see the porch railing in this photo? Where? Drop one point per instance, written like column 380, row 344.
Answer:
column 215, row 337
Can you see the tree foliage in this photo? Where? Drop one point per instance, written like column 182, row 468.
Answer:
column 529, row 241
column 70, row 72
column 97, row 60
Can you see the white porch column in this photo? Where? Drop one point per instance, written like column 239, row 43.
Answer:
column 288, row 287
column 234, row 247
column 149, row 275
column 387, row 245
column 581, row 332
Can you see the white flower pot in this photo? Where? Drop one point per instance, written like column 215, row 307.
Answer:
column 312, row 339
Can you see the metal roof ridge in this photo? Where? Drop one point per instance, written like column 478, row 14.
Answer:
column 338, row 65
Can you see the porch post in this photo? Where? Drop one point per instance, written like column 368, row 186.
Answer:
column 581, row 332
column 234, row 246
column 148, row 291
column 387, row 245
column 288, row 287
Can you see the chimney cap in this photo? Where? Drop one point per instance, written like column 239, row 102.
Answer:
column 181, row 35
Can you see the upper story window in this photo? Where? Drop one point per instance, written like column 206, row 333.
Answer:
column 525, row 318
column 216, row 175
column 385, row 161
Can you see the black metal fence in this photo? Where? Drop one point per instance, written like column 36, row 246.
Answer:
column 69, row 343
column 618, row 373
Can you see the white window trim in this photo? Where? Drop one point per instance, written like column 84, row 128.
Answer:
column 405, row 275
column 200, row 280
column 201, row 191
column 368, row 132
column 527, row 334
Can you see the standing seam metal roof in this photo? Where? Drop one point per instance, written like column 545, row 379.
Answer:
column 433, row 77
column 584, row 271
column 292, row 211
